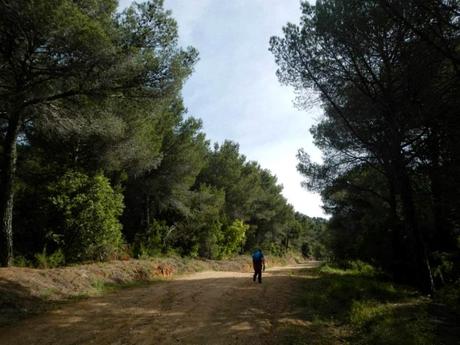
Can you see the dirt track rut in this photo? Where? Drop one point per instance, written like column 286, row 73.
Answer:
column 202, row 308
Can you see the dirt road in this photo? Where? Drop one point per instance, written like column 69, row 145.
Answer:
column 203, row 308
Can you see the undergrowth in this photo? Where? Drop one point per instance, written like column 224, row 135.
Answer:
column 358, row 306
column 99, row 287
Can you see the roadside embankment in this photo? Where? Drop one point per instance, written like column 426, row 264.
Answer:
column 26, row 291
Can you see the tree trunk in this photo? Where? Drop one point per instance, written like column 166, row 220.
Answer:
column 147, row 212
column 400, row 180
column 443, row 240
column 397, row 260
column 7, row 176
column 425, row 276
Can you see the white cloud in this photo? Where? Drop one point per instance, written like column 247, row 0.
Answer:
column 280, row 158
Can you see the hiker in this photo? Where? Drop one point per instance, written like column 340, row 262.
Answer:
column 258, row 262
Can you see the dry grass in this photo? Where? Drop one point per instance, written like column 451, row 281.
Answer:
column 25, row 291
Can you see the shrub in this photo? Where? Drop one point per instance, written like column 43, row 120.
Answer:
column 443, row 267
column 210, row 238
column 354, row 267
column 50, row 261
column 359, row 266
column 149, row 243
column 450, row 296
column 390, row 323
column 21, row 261
column 88, row 209
column 305, row 249
column 233, row 237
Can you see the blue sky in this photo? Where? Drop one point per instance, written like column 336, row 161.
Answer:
column 235, row 91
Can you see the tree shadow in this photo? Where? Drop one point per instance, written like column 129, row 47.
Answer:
column 445, row 323
column 17, row 302
column 205, row 311
column 289, row 307
column 331, row 296
column 367, row 309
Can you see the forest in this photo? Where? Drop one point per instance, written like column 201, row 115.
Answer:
column 387, row 75
column 116, row 209
column 99, row 158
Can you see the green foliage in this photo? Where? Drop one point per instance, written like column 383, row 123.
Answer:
column 199, row 232
column 233, row 237
column 443, row 268
column 449, row 295
column 89, row 209
column 107, row 102
column 205, row 220
column 152, row 242
column 105, row 80
column 355, row 267
column 56, row 259
column 388, row 162
column 309, row 236
column 305, row 249
column 21, row 261
column 375, row 310
column 390, row 323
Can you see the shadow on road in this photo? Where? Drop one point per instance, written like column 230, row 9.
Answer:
column 294, row 305
column 17, row 302
column 215, row 310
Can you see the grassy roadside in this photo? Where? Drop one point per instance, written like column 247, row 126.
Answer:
column 357, row 306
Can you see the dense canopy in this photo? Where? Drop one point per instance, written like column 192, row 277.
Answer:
column 387, row 75
column 98, row 157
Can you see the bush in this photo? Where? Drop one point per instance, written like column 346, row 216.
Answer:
column 374, row 310
column 359, row 266
column 305, row 249
column 444, row 267
column 210, row 238
column 149, row 243
column 355, row 267
column 50, row 261
column 233, row 237
column 21, row 261
column 390, row 323
column 88, row 209
column 450, row 296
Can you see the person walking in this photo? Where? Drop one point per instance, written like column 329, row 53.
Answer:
column 258, row 262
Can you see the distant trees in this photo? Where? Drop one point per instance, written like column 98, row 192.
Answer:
column 97, row 154
column 386, row 73
column 218, row 206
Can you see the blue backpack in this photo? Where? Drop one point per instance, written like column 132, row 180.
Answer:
column 257, row 255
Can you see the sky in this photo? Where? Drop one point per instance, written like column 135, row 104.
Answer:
column 235, row 91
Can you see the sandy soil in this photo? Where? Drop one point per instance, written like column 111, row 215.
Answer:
column 201, row 308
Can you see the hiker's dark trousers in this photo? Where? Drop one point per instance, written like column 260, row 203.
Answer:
column 257, row 271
